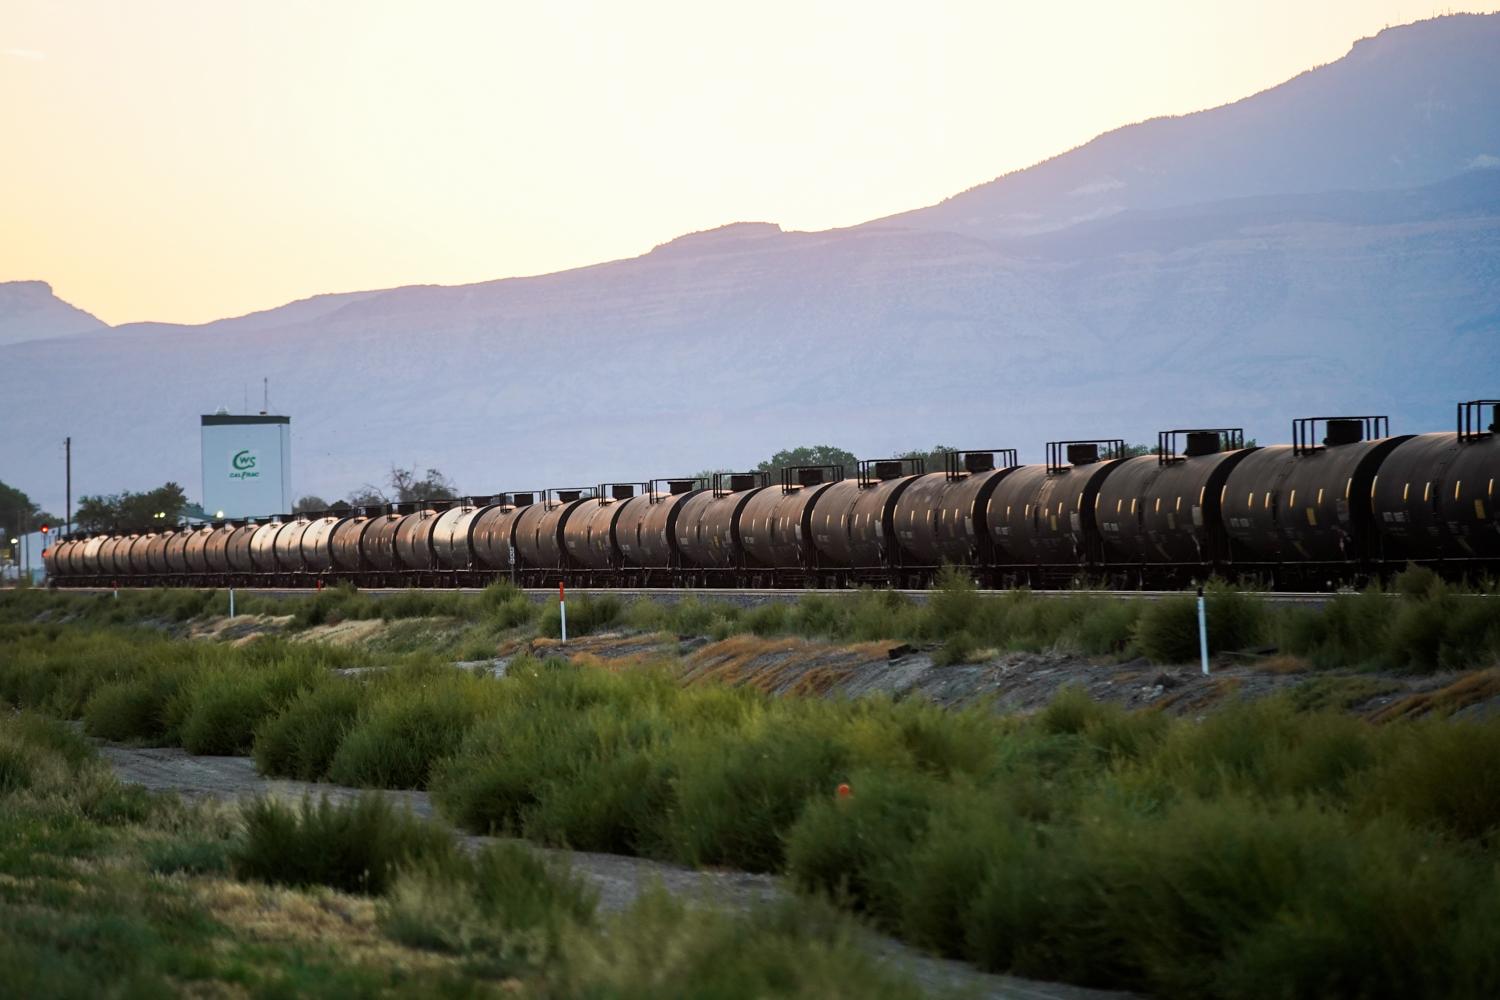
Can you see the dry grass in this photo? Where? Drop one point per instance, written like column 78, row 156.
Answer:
column 346, row 925
column 1467, row 690
column 745, row 659
column 347, row 633
column 1283, row 663
column 819, row 681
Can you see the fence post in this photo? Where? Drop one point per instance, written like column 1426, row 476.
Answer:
column 1202, row 632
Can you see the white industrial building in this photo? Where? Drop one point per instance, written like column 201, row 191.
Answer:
column 247, row 464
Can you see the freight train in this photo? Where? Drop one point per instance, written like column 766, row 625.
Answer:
column 1345, row 502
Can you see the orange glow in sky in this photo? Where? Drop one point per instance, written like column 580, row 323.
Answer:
column 185, row 161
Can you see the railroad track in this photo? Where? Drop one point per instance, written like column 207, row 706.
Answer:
column 752, row 597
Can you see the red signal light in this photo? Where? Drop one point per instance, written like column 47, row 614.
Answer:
column 45, row 529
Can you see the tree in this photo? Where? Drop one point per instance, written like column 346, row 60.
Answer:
column 18, row 513
column 309, row 504
column 128, row 511
column 406, row 487
column 818, row 454
column 433, row 486
column 368, row 495
column 933, row 459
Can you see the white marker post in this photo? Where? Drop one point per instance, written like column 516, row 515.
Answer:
column 231, row 602
column 1202, row 632
column 562, row 607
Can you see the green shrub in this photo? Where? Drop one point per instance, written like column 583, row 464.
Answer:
column 574, row 757
column 736, row 799
column 1415, row 634
column 1236, row 620
column 852, row 848
column 1167, row 630
column 333, row 605
column 955, row 605
column 586, row 613
column 1416, row 582
column 1234, row 898
column 959, row 648
column 144, row 709
column 935, row 881
column 515, row 611
column 225, row 706
column 1444, row 775
column 189, row 857
column 402, row 733
column 1354, row 630
column 611, row 793
column 302, row 740
column 50, row 736
column 1108, row 628
column 1266, row 749
column 356, row 847
column 662, row 948
column 771, row 618
column 504, row 906
column 17, row 768
column 1471, row 634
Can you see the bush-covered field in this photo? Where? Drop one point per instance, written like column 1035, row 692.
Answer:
column 108, row 891
column 1418, row 624
column 1268, row 849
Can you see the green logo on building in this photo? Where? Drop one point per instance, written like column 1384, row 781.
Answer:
column 243, row 463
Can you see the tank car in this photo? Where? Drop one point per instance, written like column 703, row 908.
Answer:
column 852, row 520
column 940, row 518
column 451, row 546
column 708, row 529
column 1041, row 518
column 1159, row 514
column 346, row 545
column 492, row 537
column 1433, row 498
column 539, row 532
column 414, row 548
column 776, row 527
column 1299, row 514
column 646, row 531
column 589, row 535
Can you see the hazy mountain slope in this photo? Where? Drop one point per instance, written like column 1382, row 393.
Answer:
column 29, row 311
column 721, row 347
column 1412, row 105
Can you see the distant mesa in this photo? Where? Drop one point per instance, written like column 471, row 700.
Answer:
column 30, row 311
column 733, row 236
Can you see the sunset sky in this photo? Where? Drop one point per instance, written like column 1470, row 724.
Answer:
column 186, row 161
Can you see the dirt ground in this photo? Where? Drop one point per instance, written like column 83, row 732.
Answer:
column 618, row 880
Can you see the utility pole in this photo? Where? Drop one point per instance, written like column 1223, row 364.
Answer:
column 68, row 460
